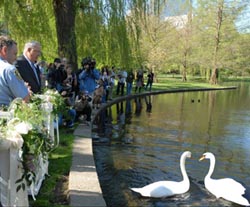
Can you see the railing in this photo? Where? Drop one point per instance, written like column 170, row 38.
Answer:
column 11, row 168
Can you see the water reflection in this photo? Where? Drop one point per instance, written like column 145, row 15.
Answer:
column 138, row 106
column 148, row 102
column 144, row 138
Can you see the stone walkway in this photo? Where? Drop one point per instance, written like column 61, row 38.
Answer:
column 84, row 187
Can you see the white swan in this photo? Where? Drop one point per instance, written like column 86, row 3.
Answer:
column 167, row 188
column 226, row 188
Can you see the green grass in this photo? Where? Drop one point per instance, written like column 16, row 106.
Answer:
column 59, row 166
column 179, row 85
column 165, row 82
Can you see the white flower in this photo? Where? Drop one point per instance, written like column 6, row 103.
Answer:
column 13, row 122
column 14, row 138
column 48, row 107
column 23, row 128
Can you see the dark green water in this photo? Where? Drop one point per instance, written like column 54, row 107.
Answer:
column 142, row 144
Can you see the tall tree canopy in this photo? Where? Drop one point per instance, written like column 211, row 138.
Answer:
column 134, row 33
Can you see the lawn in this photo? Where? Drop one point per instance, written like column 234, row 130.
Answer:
column 53, row 192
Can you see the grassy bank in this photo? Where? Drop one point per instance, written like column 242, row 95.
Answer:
column 53, row 192
column 165, row 82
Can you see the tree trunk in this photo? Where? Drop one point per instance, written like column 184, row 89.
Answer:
column 65, row 13
column 214, row 75
column 184, row 73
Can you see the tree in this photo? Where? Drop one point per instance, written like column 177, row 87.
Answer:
column 65, row 13
column 30, row 20
column 216, row 34
column 132, row 33
column 148, row 31
column 218, row 24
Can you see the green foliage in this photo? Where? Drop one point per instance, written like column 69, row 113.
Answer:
column 31, row 113
column 36, row 143
column 31, row 20
column 59, row 166
column 27, row 130
column 133, row 33
column 58, row 102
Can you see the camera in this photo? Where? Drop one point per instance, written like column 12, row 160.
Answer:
column 61, row 67
column 92, row 64
column 86, row 98
column 86, row 61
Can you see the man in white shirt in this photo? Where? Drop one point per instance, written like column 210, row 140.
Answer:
column 11, row 83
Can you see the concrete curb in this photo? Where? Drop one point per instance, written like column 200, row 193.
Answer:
column 84, row 187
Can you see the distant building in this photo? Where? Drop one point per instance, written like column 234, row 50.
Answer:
column 178, row 21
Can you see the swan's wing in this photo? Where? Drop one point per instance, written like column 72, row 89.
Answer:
column 233, row 186
column 233, row 191
column 156, row 190
column 161, row 189
column 226, row 188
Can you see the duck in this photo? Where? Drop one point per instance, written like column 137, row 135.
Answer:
column 226, row 188
column 162, row 189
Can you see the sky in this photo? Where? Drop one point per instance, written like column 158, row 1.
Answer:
column 242, row 23
column 173, row 8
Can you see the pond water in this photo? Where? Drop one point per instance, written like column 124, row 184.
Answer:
column 140, row 141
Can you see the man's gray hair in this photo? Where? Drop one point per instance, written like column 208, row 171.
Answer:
column 31, row 44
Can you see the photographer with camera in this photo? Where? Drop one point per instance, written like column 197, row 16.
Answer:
column 89, row 76
column 69, row 118
column 82, row 107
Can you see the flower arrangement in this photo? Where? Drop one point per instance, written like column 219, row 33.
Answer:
column 26, row 130
column 57, row 101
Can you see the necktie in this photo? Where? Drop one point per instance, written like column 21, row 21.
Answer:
column 35, row 71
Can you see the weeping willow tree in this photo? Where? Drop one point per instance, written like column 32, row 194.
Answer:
column 158, row 43
column 30, row 20
column 102, row 33
column 88, row 27
column 125, row 33
column 111, row 30
column 147, row 32
column 94, row 28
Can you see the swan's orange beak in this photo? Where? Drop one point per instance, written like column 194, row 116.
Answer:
column 202, row 158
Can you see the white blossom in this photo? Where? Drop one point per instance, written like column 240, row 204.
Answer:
column 23, row 127
column 14, row 138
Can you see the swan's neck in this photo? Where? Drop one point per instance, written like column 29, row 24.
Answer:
column 183, row 169
column 211, row 168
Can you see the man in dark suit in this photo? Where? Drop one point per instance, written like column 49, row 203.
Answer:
column 26, row 65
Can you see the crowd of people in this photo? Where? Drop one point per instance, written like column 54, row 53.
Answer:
column 83, row 89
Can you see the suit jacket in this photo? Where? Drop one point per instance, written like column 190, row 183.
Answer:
column 28, row 75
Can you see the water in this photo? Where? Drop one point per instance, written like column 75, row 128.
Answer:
column 138, row 143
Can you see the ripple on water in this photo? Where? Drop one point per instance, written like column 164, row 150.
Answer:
column 148, row 148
